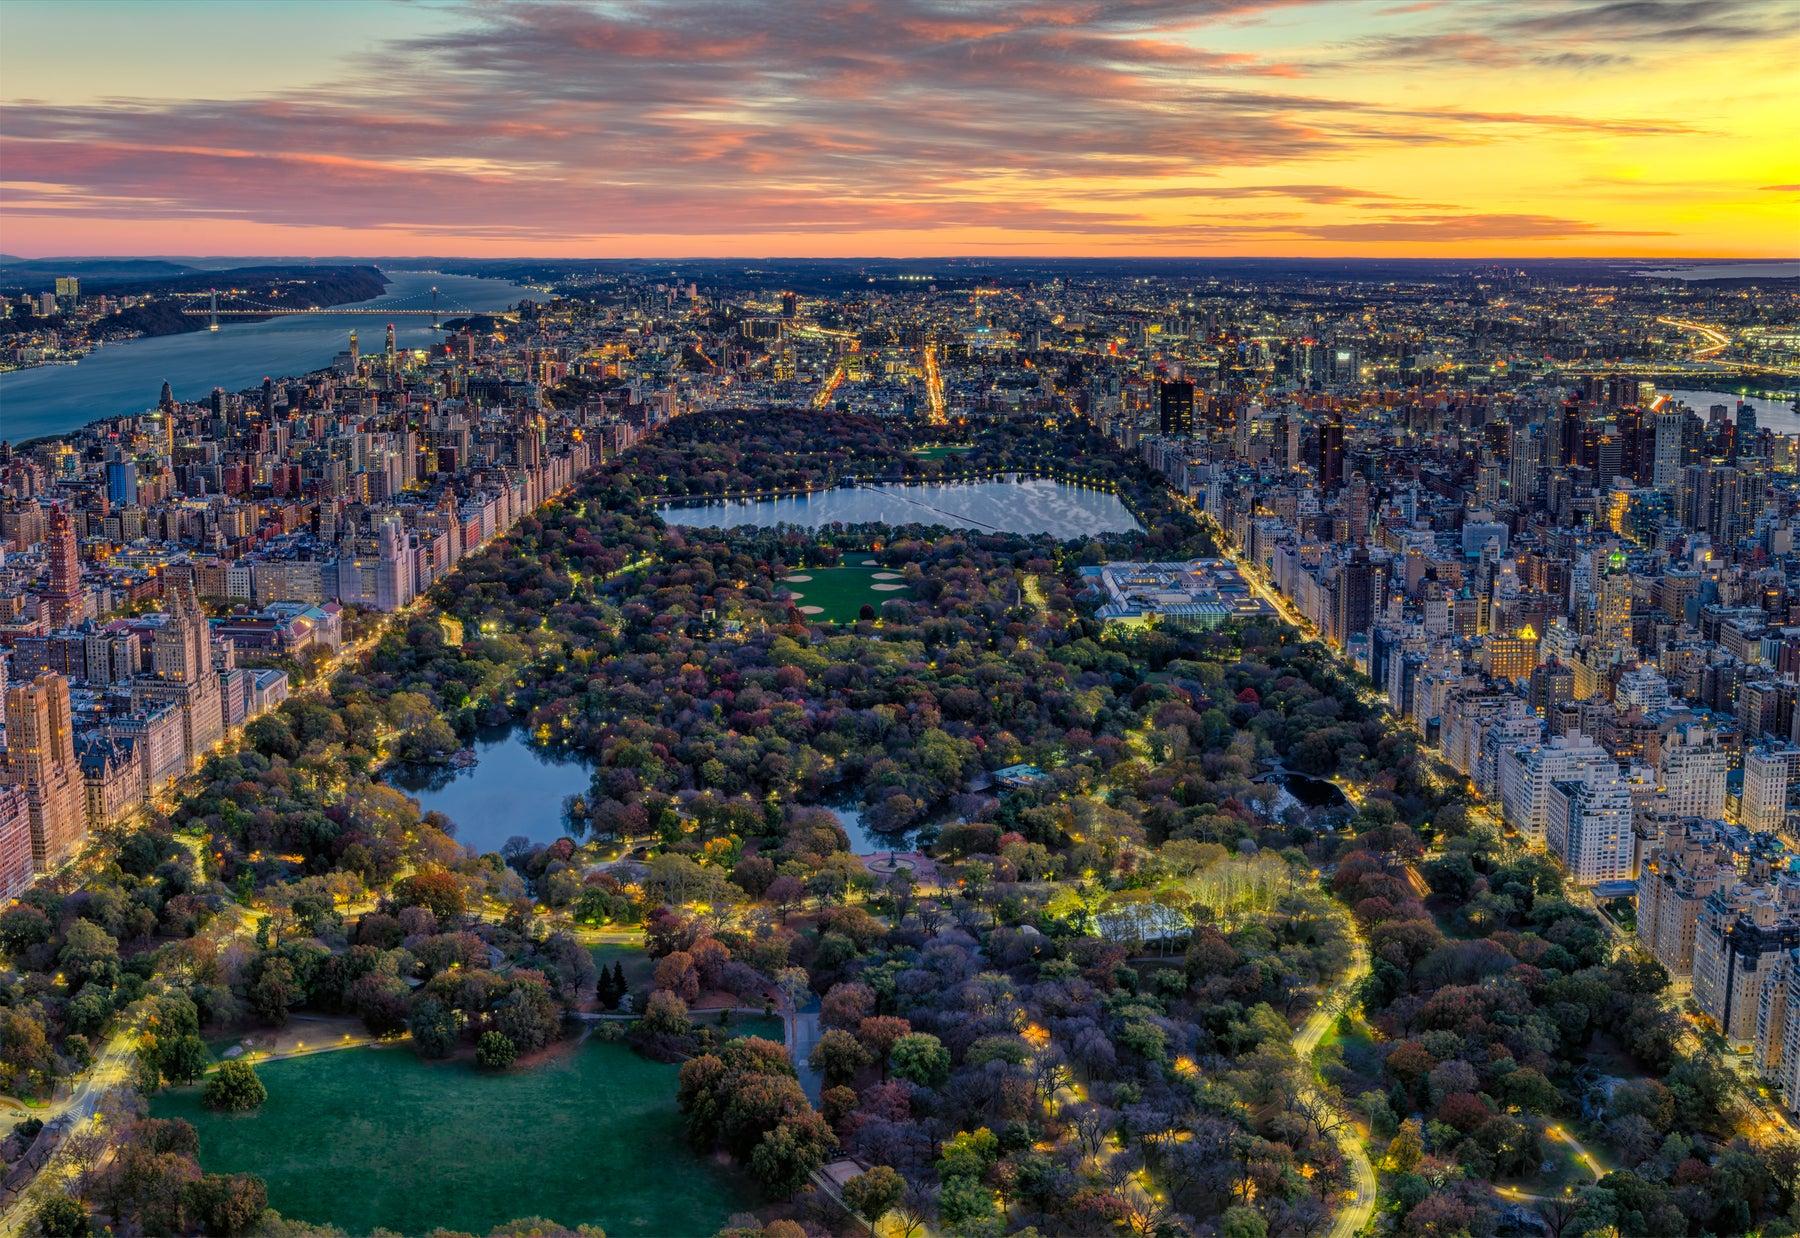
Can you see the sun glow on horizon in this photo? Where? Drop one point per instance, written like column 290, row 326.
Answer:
column 697, row 128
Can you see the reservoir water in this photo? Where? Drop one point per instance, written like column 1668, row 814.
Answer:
column 1771, row 414
column 1026, row 506
column 514, row 789
column 126, row 377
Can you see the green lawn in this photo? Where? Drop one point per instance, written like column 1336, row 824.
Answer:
column 769, row 1027
column 368, row 1138
column 639, row 967
column 941, row 450
column 840, row 592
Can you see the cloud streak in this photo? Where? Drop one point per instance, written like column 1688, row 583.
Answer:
column 549, row 124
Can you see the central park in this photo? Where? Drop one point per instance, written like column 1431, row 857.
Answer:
column 1083, row 968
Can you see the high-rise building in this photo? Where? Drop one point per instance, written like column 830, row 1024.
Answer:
column 1768, row 773
column 40, row 757
column 121, row 483
column 1691, row 772
column 1525, row 773
column 182, row 673
column 1331, row 453
column 67, row 605
column 15, row 840
column 1176, row 400
column 1587, row 822
column 1353, row 597
column 1670, row 431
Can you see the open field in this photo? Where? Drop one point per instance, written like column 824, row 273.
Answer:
column 632, row 958
column 839, row 593
column 368, row 1138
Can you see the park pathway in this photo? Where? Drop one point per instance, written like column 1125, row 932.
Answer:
column 1356, row 1213
column 802, row 1026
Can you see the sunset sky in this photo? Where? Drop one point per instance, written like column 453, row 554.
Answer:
column 902, row 127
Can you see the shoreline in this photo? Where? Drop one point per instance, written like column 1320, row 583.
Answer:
column 89, row 425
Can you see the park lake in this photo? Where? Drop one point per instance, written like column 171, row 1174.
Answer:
column 376, row 1138
column 515, row 789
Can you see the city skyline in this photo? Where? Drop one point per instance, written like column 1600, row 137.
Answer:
column 1624, row 128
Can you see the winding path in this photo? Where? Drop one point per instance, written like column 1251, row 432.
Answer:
column 1360, row 1208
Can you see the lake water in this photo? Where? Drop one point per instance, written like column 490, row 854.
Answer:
column 1771, row 414
column 128, row 377
column 1729, row 270
column 1027, row 506
column 514, row 789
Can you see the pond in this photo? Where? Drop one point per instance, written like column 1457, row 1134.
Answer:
column 1314, row 792
column 514, row 789
column 1027, row 506
column 376, row 1138
column 863, row 839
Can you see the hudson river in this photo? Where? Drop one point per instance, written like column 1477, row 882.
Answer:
column 127, row 377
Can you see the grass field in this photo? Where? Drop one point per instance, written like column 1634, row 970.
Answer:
column 941, row 450
column 639, row 967
column 368, row 1138
column 840, row 592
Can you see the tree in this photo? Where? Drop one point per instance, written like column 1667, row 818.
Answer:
column 968, row 1207
column 434, row 1028
column 880, row 1033
column 227, row 1204
column 437, row 888
column 920, row 1058
column 1242, row 1222
column 1407, row 1148
column 234, row 1088
column 90, row 952
column 275, row 991
column 495, row 1051
column 666, row 1015
column 788, row 1155
column 838, row 1056
column 874, row 1192
column 22, row 927
column 64, row 1217
column 184, row 1059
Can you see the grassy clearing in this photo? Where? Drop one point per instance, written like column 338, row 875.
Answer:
column 639, row 967
column 841, row 592
column 940, row 451
column 375, row 1138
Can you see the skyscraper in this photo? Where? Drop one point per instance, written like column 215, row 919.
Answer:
column 40, row 757
column 121, row 483
column 65, row 597
column 1177, row 407
column 1331, row 453
column 1665, row 472
column 1353, row 597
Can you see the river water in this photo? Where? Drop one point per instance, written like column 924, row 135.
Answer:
column 1771, row 414
column 1027, row 506
column 127, row 377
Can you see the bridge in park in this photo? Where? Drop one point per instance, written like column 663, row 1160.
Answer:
column 238, row 305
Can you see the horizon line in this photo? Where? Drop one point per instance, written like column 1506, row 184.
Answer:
column 946, row 257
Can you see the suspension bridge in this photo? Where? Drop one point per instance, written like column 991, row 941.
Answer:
column 238, row 305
